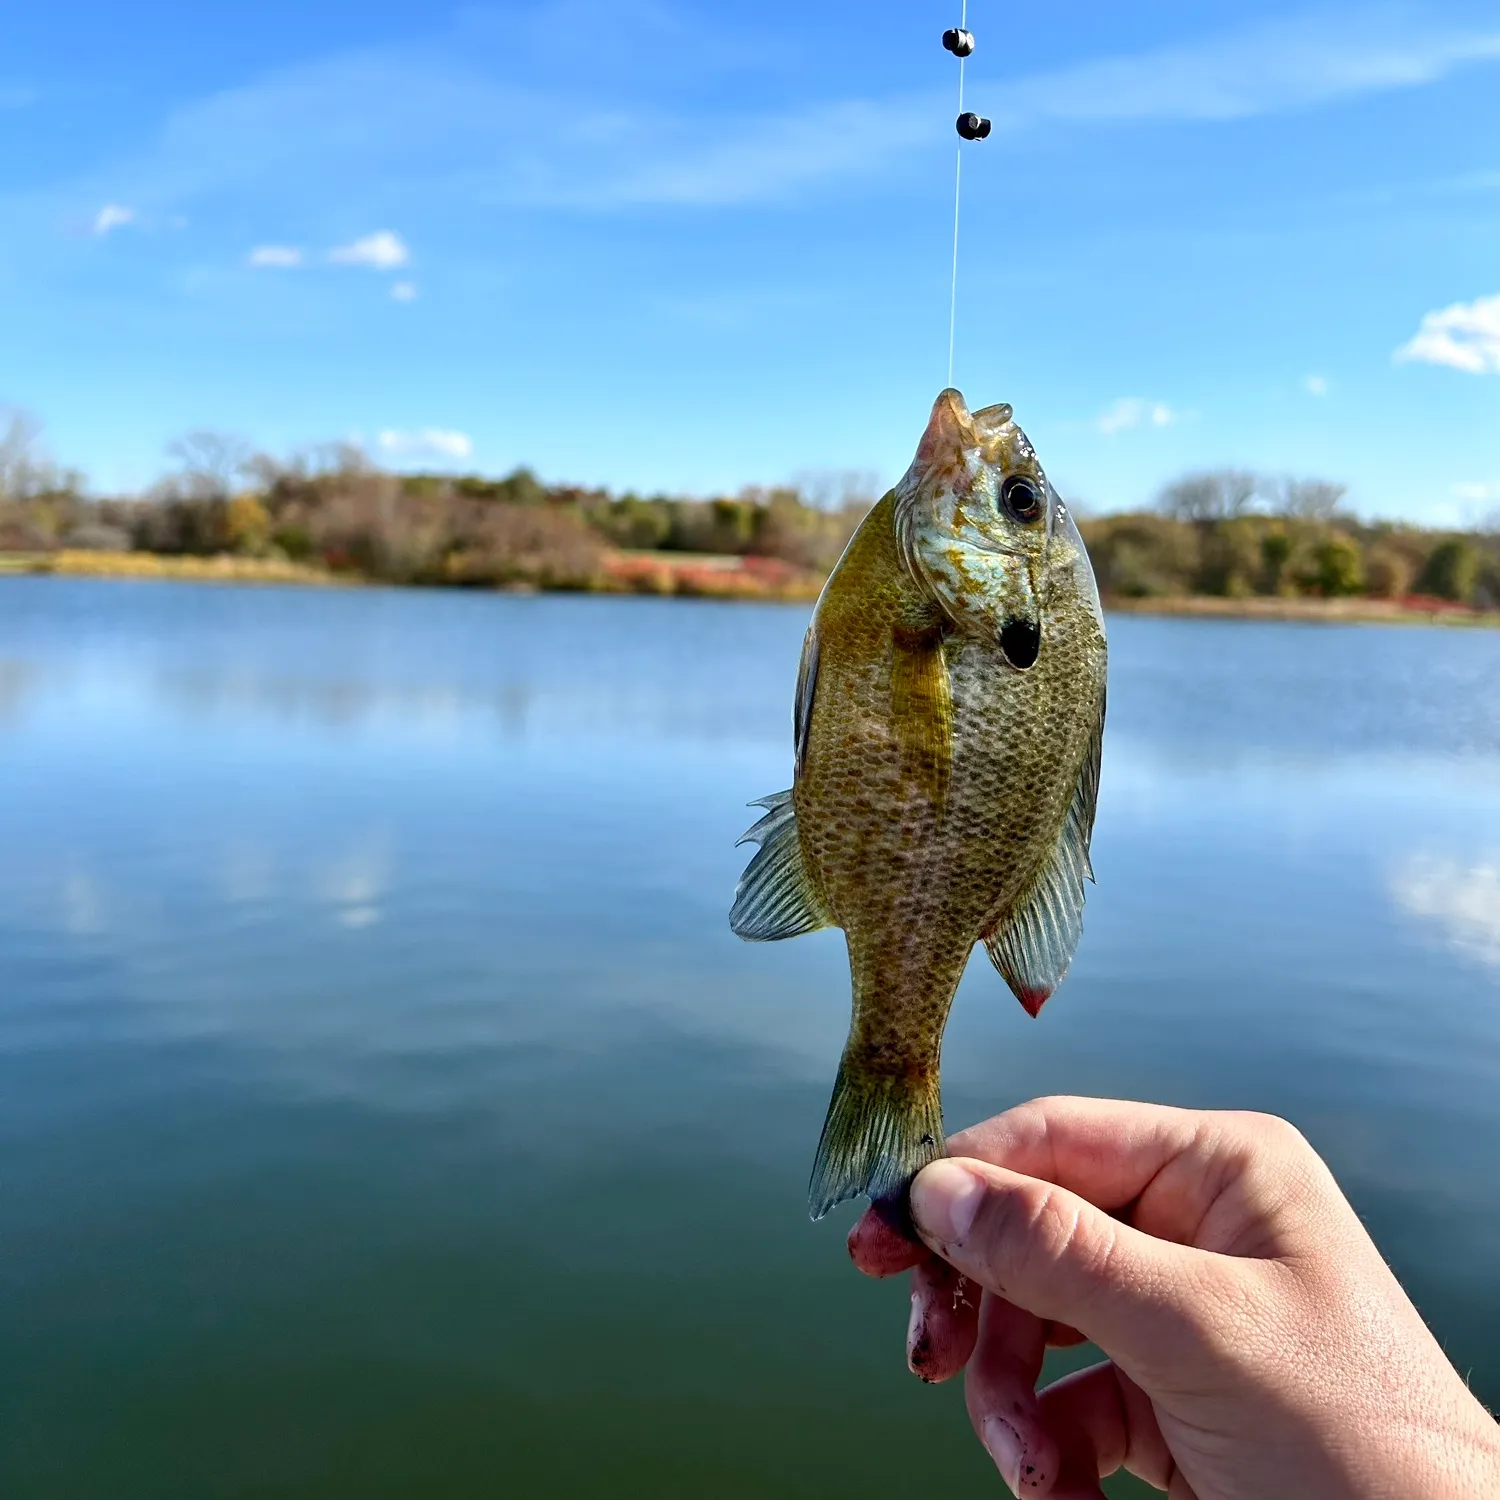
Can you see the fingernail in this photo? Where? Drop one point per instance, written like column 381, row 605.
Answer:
column 1003, row 1444
column 918, row 1345
column 944, row 1199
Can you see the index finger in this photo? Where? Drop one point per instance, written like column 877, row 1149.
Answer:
column 878, row 1248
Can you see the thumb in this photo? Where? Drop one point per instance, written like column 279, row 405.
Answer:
column 1058, row 1256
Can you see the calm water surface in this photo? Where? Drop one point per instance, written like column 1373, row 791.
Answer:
column 387, row 1110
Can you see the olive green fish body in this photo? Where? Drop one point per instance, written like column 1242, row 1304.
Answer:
column 948, row 718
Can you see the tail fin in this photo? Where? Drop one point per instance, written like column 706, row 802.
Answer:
column 880, row 1132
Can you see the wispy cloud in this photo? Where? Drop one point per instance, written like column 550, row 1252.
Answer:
column 112, row 216
column 429, row 442
column 1470, row 182
column 1478, row 491
column 1315, row 385
column 404, row 291
column 1133, row 411
column 1464, row 336
column 1271, row 67
column 279, row 257
column 291, row 132
column 1461, row 901
column 382, row 251
column 760, row 158
column 731, row 309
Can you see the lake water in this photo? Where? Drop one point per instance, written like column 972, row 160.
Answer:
column 387, row 1110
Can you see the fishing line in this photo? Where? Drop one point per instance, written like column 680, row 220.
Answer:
column 958, row 183
column 959, row 40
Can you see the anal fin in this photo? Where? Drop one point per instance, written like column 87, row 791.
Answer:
column 1033, row 947
column 776, row 897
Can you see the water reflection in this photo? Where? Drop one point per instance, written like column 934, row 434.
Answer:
column 16, row 679
column 1462, row 902
column 364, row 966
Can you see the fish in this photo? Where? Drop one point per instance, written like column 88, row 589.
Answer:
column 948, row 727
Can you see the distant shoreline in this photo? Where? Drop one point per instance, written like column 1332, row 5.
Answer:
column 680, row 575
column 220, row 569
column 1353, row 611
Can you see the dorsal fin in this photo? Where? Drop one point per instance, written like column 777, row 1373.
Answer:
column 1034, row 947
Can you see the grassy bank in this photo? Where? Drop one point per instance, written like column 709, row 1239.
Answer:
column 654, row 573
column 670, row 575
column 1410, row 611
column 223, row 568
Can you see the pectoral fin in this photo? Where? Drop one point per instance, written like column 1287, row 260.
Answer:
column 1034, row 946
column 776, row 897
column 922, row 709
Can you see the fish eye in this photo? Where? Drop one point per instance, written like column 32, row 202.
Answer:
column 1020, row 499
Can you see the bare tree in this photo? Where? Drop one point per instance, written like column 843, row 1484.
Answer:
column 26, row 469
column 839, row 489
column 1217, row 495
column 211, row 463
column 1310, row 499
column 342, row 456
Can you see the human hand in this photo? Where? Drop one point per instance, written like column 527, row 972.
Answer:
column 1259, row 1347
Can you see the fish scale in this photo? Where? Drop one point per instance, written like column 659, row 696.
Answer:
column 945, row 782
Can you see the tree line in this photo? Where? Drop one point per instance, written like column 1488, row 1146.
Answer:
column 1228, row 533
column 1233, row 534
column 333, row 507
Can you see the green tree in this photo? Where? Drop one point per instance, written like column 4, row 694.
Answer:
column 1275, row 554
column 247, row 524
column 1388, row 574
column 1339, row 569
column 1451, row 570
column 1228, row 557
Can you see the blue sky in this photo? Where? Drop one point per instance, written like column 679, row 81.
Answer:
column 690, row 246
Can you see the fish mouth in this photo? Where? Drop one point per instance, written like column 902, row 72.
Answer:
column 1021, row 643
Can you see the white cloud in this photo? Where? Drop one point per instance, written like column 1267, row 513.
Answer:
column 1315, row 385
column 1465, row 336
column 1478, row 490
column 431, row 442
column 453, row 115
column 755, row 158
column 1266, row 68
column 404, row 291
column 1462, row 901
column 382, row 251
column 112, row 216
column 280, row 256
column 1132, row 411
